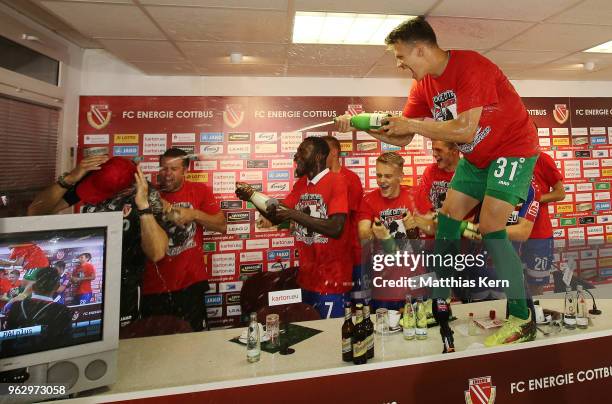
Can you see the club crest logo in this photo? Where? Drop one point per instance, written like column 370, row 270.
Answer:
column 560, row 113
column 98, row 116
column 480, row 391
column 354, row 109
column 233, row 115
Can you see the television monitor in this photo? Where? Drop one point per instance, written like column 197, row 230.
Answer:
column 66, row 331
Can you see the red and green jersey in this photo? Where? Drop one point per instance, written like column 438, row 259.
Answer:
column 470, row 81
column 324, row 264
column 33, row 256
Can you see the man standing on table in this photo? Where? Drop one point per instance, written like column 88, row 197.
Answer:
column 176, row 284
column 474, row 105
column 318, row 205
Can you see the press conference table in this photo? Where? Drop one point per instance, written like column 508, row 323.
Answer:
column 182, row 363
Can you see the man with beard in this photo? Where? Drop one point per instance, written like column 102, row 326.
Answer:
column 114, row 185
column 318, row 205
column 176, row 284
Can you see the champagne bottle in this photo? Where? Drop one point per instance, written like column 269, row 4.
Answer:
column 367, row 121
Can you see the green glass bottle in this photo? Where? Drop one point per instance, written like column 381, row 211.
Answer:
column 367, row 121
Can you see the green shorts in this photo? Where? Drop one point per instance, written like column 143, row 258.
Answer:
column 506, row 178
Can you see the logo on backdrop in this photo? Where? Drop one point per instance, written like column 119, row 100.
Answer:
column 480, row 391
column 560, row 113
column 233, row 115
column 98, row 116
column 354, row 109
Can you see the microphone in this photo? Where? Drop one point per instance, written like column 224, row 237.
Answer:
column 594, row 310
column 441, row 311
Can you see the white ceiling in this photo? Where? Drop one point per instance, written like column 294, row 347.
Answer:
column 529, row 39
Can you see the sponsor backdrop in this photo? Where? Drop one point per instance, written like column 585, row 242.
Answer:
column 253, row 139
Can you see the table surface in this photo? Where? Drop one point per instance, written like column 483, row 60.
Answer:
column 209, row 357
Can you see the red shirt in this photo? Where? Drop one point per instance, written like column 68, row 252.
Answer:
column 324, row 266
column 85, row 270
column 184, row 263
column 390, row 210
column 33, row 256
column 5, row 286
column 355, row 194
column 469, row 81
column 546, row 175
column 432, row 188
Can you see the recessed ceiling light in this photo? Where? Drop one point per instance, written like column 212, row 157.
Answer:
column 344, row 28
column 603, row 48
column 236, row 57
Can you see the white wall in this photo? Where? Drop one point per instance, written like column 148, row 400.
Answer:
column 103, row 74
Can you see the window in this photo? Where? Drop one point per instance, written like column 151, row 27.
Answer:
column 28, row 153
column 19, row 59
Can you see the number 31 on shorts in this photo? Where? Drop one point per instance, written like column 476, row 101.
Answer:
column 506, row 172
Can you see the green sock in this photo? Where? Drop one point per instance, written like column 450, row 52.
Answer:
column 448, row 235
column 508, row 267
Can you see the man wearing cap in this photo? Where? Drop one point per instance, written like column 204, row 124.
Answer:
column 114, row 185
column 176, row 284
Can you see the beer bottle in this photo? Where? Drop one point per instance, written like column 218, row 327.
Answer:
column 421, row 319
column 360, row 348
column 347, row 334
column 369, row 326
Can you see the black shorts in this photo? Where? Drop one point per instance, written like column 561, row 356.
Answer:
column 187, row 304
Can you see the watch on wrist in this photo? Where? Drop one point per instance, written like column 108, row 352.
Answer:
column 145, row 211
column 61, row 181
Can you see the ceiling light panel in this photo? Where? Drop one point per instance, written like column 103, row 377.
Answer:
column 344, row 28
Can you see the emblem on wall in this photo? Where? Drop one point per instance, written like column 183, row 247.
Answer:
column 233, row 115
column 98, row 116
column 561, row 113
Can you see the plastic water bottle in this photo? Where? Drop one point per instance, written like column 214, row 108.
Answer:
column 421, row 319
column 409, row 320
column 472, row 327
column 253, row 340
column 569, row 313
column 582, row 319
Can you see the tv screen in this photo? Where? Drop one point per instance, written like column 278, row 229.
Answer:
column 51, row 289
